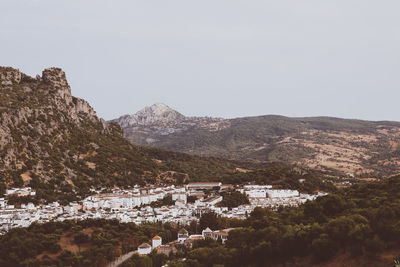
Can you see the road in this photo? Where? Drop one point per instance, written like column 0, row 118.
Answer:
column 121, row 259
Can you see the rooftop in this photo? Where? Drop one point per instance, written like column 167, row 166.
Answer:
column 207, row 230
column 144, row 245
column 183, row 231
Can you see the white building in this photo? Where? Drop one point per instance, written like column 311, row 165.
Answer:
column 3, row 202
column 25, row 191
column 144, row 249
column 256, row 193
column 257, row 187
column 282, row 193
column 211, row 201
column 156, row 242
column 207, row 233
column 205, row 185
column 179, row 196
column 182, row 235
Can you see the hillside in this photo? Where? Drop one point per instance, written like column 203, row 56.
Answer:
column 55, row 143
column 337, row 146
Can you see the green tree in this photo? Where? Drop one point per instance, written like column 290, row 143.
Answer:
column 80, row 238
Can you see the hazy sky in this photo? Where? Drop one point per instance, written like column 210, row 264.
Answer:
column 218, row 58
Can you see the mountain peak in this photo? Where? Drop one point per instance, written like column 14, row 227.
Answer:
column 158, row 108
column 156, row 114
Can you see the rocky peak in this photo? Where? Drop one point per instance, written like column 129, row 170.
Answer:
column 9, row 76
column 55, row 76
column 158, row 113
column 57, row 80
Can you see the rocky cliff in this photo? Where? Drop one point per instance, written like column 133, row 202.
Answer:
column 39, row 119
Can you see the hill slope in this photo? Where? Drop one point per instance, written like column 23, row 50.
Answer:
column 55, row 143
column 338, row 146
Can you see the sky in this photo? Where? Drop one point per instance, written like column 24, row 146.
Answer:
column 220, row 58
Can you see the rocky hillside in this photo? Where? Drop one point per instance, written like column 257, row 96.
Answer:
column 55, row 143
column 338, row 146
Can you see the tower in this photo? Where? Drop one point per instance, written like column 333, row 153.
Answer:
column 156, row 242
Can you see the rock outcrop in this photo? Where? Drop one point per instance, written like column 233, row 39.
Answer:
column 37, row 115
column 154, row 115
column 9, row 76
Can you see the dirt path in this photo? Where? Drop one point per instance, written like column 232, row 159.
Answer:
column 121, row 259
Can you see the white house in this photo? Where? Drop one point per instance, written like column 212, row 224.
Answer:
column 156, row 242
column 221, row 235
column 145, row 199
column 137, row 201
column 179, row 196
column 182, row 235
column 144, row 249
column 207, row 232
column 3, row 202
column 211, row 201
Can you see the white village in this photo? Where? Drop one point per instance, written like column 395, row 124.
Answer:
column 134, row 205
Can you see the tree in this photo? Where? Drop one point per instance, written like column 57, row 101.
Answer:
column 233, row 199
column 146, row 261
column 323, row 248
column 158, row 259
column 191, row 199
column 209, row 219
column 66, row 257
column 374, row 246
column 80, row 238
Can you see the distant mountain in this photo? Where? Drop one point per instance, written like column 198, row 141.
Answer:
column 340, row 147
column 158, row 113
column 153, row 123
column 55, row 143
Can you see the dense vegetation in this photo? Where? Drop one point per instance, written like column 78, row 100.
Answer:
column 99, row 242
column 232, row 199
column 151, row 260
column 93, row 242
column 165, row 201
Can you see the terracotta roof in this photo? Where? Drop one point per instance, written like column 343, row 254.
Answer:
column 156, row 237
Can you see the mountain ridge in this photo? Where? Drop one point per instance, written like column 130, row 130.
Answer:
column 340, row 147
